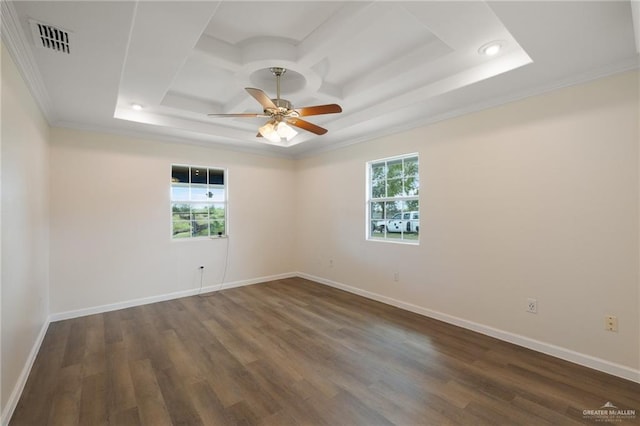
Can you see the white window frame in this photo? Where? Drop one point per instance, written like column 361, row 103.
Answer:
column 194, row 201
column 400, row 237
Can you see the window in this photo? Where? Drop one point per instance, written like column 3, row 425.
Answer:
column 393, row 212
column 198, row 202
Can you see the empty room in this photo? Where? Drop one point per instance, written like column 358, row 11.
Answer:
column 320, row 213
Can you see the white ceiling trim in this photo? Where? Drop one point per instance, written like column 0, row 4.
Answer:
column 635, row 16
column 177, row 136
column 415, row 85
column 14, row 39
column 447, row 61
column 603, row 72
column 145, row 78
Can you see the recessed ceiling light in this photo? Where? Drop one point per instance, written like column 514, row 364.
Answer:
column 136, row 107
column 490, row 49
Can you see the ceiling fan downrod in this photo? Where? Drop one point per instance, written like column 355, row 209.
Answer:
column 284, row 106
column 277, row 71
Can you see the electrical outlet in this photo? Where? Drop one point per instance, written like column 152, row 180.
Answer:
column 532, row 306
column 396, row 276
column 330, row 263
column 611, row 323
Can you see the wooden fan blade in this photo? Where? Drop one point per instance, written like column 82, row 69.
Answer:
column 248, row 115
column 319, row 109
column 298, row 122
column 261, row 97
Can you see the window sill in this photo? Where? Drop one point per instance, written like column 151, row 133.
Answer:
column 394, row 241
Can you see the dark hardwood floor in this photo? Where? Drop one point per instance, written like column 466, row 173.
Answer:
column 294, row 352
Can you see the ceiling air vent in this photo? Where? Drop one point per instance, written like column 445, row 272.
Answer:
column 48, row 37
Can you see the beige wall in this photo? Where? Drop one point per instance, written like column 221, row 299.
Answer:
column 537, row 198
column 25, row 226
column 110, row 220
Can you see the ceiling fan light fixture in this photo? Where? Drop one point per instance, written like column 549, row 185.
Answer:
column 285, row 131
column 269, row 132
column 274, row 131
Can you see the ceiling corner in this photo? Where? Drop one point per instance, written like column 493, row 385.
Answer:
column 14, row 39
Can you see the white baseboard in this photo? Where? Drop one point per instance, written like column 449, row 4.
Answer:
column 536, row 345
column 162, row 297
column 12, row 402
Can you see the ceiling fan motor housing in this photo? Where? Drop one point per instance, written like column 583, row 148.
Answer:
column 277, row 71
column 284, row 107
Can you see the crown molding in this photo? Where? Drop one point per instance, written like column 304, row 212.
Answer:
column 16, row 42
column 635, row 15
column 627, row 65
column 181, row 138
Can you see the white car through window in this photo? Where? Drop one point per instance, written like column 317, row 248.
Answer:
column 401, row 222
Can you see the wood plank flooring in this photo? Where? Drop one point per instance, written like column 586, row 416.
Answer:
column 293, row 352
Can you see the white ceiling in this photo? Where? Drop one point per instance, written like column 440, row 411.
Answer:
column 390, row 65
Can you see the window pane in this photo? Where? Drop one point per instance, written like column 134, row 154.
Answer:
column 200, row 212
column 392, row 208
column 414, row 222
column 200, row 228
column 377, row 219
column 181, row 211
column 181, row 229
column 199, row 192
column 217, row 227
column 377, row 210
column 198, row 175
column 378, row 171
column 394, row 187
column 411, row 186
column 180, row 192
column 216, row 211
column 411, row 166
column 215, row 194
column 377, row 189
column 216, row 177
column 395, row 169
column 180, row 174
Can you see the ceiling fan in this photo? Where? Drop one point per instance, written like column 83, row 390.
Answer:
column 281, row 113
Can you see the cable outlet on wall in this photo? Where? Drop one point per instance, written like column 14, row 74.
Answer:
column 532, row 306
column 611, row 323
